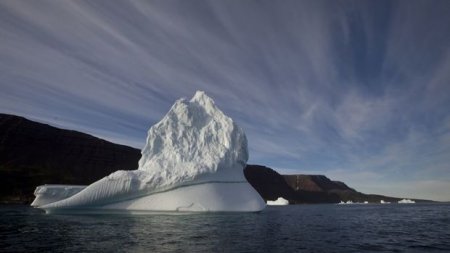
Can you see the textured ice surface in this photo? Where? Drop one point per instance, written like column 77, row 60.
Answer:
column 195, row 139
column 195, row 143
column 279, row 202
column 46, row 194
column 202, row 197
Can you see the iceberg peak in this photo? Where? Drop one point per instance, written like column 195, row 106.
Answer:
column 195, row 139
column 201, row 98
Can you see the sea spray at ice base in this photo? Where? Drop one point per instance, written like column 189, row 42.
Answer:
column 195, row 146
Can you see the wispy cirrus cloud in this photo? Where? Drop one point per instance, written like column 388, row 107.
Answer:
column 345, row 88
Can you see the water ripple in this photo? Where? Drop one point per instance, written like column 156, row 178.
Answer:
column 303, row 228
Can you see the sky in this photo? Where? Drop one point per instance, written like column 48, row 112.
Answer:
column 356, row 90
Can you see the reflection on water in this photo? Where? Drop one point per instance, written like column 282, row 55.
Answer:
column 316, row 228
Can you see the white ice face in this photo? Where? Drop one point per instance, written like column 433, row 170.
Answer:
column 195, row 143
column 195, row 139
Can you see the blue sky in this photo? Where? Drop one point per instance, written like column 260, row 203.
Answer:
column 356, row 90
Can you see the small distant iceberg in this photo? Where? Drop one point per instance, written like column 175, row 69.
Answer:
column 406, row 201
column 349, row 202
column 279, row 202
column 384, row 202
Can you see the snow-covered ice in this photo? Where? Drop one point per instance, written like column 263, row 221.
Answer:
column 279, row 202
column 193, row 161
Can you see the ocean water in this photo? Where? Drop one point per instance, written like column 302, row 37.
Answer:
column 297, row 228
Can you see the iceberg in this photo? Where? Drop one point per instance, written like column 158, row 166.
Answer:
column 349, row 202
column 279, row 202
column 406, row 201
column 193, row 160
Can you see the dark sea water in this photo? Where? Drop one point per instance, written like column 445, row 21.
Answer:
column 300, row 228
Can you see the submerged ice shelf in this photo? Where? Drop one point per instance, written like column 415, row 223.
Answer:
column 193, row 160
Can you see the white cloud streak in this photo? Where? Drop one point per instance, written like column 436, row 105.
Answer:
column 355, row 87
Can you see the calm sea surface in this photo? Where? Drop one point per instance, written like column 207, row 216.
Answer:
column 300, row 228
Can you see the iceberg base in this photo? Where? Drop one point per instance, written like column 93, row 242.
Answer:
column 203, row 197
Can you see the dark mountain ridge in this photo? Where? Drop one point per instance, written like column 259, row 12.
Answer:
column 33, row 154
column 306, row 189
